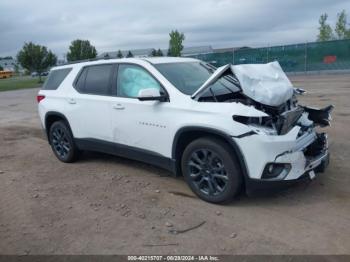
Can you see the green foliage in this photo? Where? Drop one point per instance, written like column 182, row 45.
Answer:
column 129, row 54
column 6, row 58
column 80, row 50
column 1, row 68
column 156, row 52
column 16, row 68
column 159, row 52
column 341, row 30
column 325, row 30
column 119, row 54
column 175, row 43
column 36, row 58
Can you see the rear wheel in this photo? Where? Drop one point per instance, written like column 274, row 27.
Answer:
column 211, row 170
column 62, row 142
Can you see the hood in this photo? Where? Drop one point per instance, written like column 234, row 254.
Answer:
column 264, row 83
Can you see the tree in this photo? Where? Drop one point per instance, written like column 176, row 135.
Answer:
column 106, row 56
column 129, row 54
column 325, row 30
column 119, row 54
column 1, row 68
column 154, row 52
column 175, row 43
column 36, row 58
column 341, row 30
column 80, row 50
column 159, row 52
column 16, row 68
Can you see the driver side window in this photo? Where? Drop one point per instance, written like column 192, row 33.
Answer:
column 132, row 79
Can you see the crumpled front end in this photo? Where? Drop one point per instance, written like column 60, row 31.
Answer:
column 288, row 148
column 281, row 143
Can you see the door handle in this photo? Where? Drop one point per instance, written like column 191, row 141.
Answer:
column 118, row 107
column 71, row 101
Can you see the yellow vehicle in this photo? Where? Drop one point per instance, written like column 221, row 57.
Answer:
column 6, row 74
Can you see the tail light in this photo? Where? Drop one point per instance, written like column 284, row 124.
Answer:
column 39, row 98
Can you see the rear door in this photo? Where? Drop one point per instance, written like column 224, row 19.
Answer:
column 89, row 108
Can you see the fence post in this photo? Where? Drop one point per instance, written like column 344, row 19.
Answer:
column 267, row 53
column 233, row 55
column 305, row 59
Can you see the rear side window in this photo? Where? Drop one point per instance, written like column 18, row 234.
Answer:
column 55, row 78
column 95, row 80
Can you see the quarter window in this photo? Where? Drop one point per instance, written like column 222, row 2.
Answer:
column 132, row 79
column 55, row 78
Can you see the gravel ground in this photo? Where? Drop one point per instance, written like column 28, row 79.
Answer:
column 109, row 205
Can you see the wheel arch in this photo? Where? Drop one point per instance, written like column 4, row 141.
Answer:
column 51, row 117
column 186, row 135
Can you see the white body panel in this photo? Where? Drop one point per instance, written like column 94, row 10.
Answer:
column 152, row 125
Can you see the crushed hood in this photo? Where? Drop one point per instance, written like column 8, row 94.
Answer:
column 264, row 83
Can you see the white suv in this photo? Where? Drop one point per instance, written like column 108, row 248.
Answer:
column 222, row 129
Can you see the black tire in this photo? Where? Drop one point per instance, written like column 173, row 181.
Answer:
column 211, row 169
column 62, row 142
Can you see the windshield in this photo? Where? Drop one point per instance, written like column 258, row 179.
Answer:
column 188, row 77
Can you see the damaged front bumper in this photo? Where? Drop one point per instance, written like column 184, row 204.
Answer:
column 274, row 161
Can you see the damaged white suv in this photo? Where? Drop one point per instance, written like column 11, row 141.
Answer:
column 222, row 129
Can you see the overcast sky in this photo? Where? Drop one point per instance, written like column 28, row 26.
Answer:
column 130, row 24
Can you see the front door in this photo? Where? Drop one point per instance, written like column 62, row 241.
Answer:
column 139, row 124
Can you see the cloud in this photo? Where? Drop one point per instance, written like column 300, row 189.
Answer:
column 128, row 24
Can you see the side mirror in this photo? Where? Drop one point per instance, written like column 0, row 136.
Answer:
column 151, row 94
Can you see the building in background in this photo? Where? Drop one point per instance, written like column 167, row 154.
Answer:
column 8, row 63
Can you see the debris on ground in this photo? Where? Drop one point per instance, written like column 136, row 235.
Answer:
column 233, row 235
column 165, row 211
column 218, row 213
column 142, row 216
column 177, row 231
column 168, row 224
column 160, row 245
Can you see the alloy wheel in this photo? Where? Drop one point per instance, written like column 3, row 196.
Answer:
column 207, row 172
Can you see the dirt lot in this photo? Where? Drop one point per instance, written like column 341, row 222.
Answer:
column 109, row 205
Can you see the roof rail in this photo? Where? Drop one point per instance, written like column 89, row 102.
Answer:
column 86, row 60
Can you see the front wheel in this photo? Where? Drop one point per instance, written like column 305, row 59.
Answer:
column 62, row 142
column 211, row 170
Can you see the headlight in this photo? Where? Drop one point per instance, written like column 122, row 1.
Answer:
column 262, row 124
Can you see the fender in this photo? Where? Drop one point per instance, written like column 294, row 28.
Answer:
column 56, row 114
column 216, row 132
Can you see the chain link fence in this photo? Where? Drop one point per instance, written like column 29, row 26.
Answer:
column 315, row 56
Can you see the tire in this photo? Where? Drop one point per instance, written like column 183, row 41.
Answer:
column 62, row 142
column 211, row 169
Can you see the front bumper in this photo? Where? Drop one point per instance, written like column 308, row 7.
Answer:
column 303, row 155
column 253, row 186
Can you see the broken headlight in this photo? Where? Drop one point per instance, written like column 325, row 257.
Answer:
column 259, row 124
